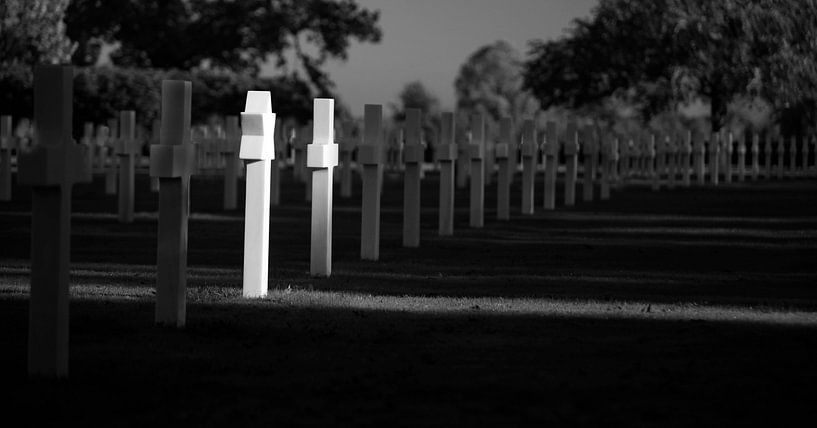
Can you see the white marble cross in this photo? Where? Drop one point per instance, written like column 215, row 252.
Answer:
column 258, row 149
column 321, row 158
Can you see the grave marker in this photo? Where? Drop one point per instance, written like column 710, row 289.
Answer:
column 767, row 154
column 278, row 164
column 529, row 149
column 590, row 151
column 102, row 136
column 229, row 149
column 714, row 157
column 155, row 131
column 660, row 149
column 258, row 150
column 502, row 153
column 741, row 159
column 87, row 142
column 781, row 154
column 370, row 156
column 299, row 143
column 348, row 143
column 490, row 156
column 604, row 170
column 51, row 168
column 6, row 143
column 727, row 154
column 671, row 145
column 125, row 149
column 110, row 158
column 322, row 157
column 571, row 163
column 477, row 155
column 172, row 161
column 686, row 154
column 755, row 155
column 699, row 157
column 446, row 153
column 463, row 169
column 551, row 152
column 413, row 155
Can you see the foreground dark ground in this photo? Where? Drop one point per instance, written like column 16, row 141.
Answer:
column 690, row 306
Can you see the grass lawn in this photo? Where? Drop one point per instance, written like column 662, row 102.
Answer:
column 689, row 306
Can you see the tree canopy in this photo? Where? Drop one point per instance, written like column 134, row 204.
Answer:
column 661, row 53
column 491, row 82
column 415, row 95
column 33, row 32
column 222, row 34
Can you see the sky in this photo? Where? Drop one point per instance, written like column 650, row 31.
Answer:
column 428, row 40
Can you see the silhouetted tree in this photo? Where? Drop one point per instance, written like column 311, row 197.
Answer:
column 664, row 52
column 222, row 34
column 33, row 32
column 491, row 82
column 415, row 95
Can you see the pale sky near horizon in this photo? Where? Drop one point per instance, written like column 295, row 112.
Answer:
column 428, row 40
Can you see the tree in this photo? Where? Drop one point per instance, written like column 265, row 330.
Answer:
column 222, row 34
column 33, row 32
column 665, row 52
column 415, row 95
column 491, row 82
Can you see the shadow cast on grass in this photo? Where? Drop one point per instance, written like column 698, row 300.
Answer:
column 249, row 363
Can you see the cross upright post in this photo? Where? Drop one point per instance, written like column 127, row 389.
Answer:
column 126, row 149
column 258, row 150
column 590, row 151
column 229, row 149
column 755, row 155
column 322, row 158
column 347, row 146
column 87, row 143
column 51, row 168
column 413, row 154
column 502, row 153
column 477, row 154
column 110, row 151
column 714, row 157
column 370, row 155
column 172, row 161
column 551, row 165
column 529, row 150
column 6, row 140
column 571, row 163
column 446, row 153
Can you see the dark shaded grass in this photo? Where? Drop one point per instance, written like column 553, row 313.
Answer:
column 745, row 245
column 247, row 364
